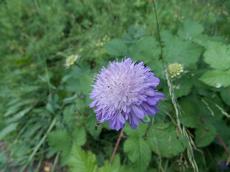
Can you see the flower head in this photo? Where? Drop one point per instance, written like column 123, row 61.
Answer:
column 125, row 91
column 175, row 69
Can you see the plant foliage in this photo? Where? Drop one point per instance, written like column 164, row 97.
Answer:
column 44, row 111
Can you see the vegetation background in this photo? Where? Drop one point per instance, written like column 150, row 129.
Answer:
column 50, row 52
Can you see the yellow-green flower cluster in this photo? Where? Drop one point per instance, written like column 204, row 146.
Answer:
column 101, row 42
column 70, row 60
column 175, row 70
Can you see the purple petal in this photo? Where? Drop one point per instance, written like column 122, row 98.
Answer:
column 125, row 91
column 138, row 112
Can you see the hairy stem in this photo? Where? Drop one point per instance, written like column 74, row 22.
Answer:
column 117, row 145
column 181, row 128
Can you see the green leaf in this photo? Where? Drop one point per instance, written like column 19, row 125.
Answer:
column 60, row 141
column 157, row 67
column 183, row 86
column 81, row 161
column 146, row 49
column 138, row 132
column 216, row 78
column 138, row 152
column 7, row 130
column 190, row 116
column 19, row 115
column 112, row 167
column 225, row 95
column 217, row 56
column 137, row 148
column 79, row 136
column 190, row 30
column 180, row 51
column 165, row 141
column 16, row 105
column 204, row 135
column 80, row 80
column 69, row 114
column 91, row 126
column 116, row 47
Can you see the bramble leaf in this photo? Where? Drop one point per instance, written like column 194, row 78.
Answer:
column 216, row 78
column 81, row 161
column 165, row 141
column 180, row 51
column 204, row 135
column 138, row 152
column 217, row 55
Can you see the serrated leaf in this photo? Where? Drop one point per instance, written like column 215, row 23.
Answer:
column 180, row 51
column 216, row 78
column 217, row 56
column 91, row 126
column 138, row 152
column 138, row 132
column 145, row 49
column 115, row 166
column 190, row 30
column 81, row 161
column 204, row 135
column 79, row 136
column 165, row 141
column 116, row 47
column 183, row 86
column 69, row 114
column 60, row 141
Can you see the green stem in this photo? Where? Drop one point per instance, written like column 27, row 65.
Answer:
column 55, row 162
column 181, row 128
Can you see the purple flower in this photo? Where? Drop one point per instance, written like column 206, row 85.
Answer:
column 125, row 91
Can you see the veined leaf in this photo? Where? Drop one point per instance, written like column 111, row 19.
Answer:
column 146, row 49
column 112, row 167
column 165, row 141
column 217, row 56
column 216, row 78
column 81, row 161
column 180, row 51
column 204, row 135
column 79, row 136
column 138, row 152
column 60, row 141
column 190, row 30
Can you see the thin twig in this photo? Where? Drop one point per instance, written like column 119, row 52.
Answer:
column 117, row 145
